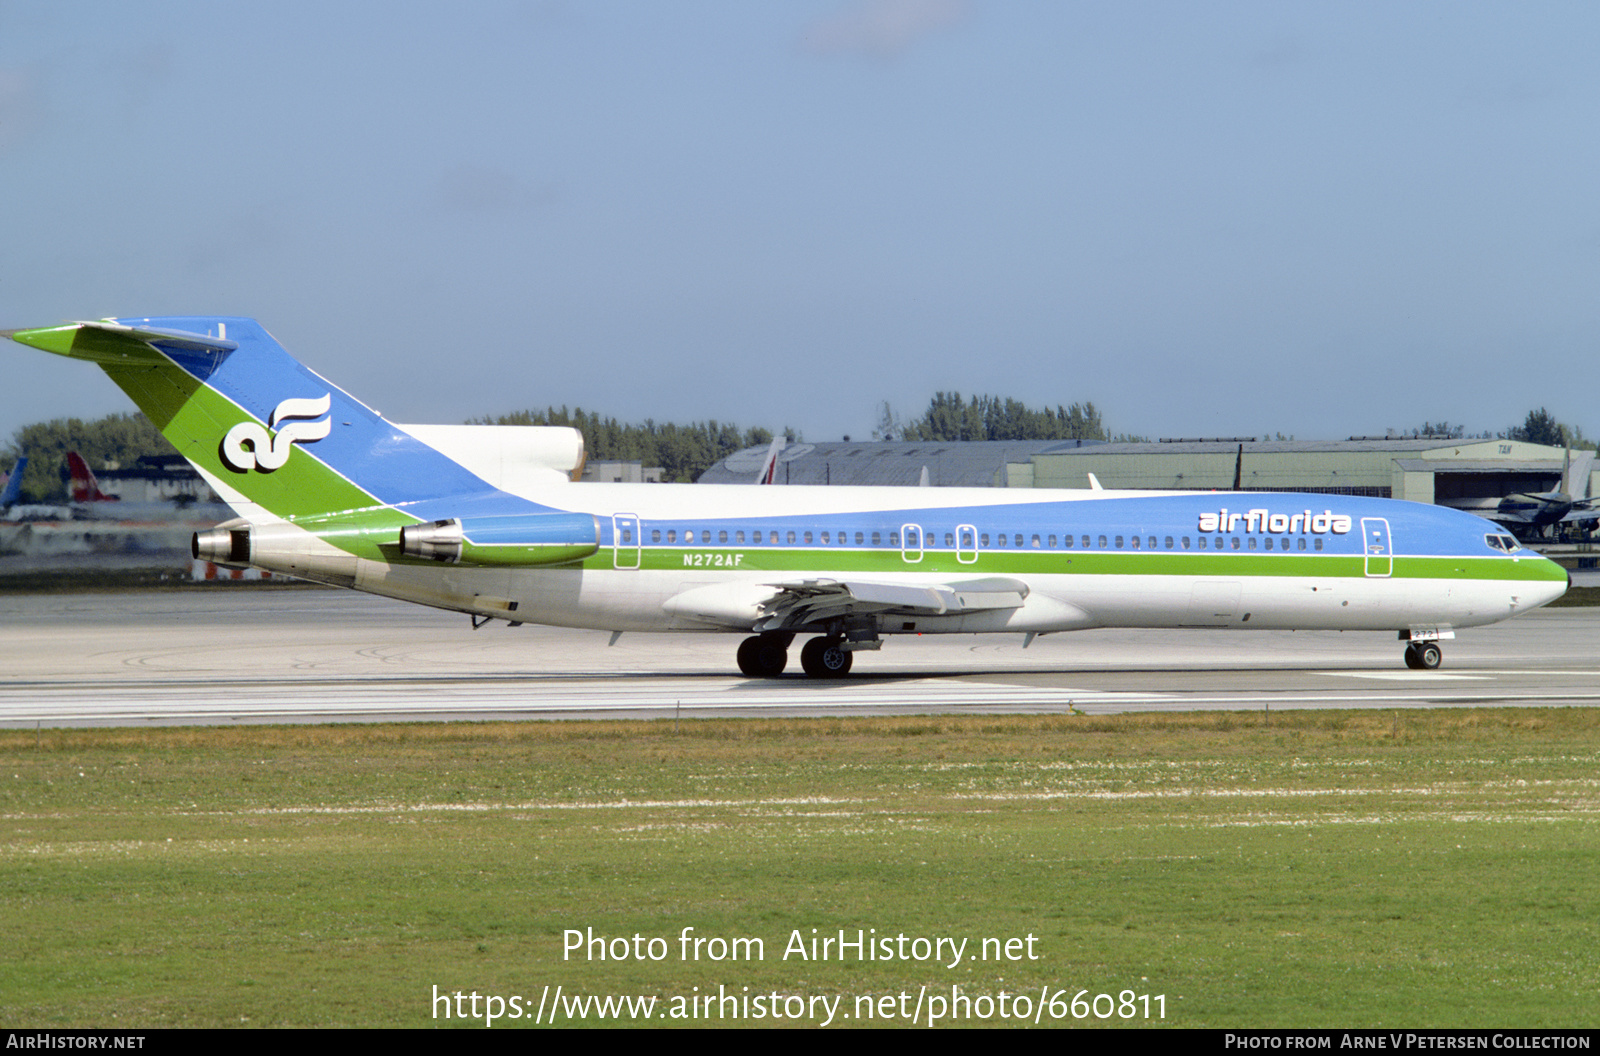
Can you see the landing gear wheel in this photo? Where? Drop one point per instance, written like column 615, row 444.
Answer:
column 763, row 657
column 1424, row 656
column 825, row 658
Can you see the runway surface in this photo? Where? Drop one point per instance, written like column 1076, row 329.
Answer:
column 265, row 656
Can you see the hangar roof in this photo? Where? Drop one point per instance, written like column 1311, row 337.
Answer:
column 979, row 463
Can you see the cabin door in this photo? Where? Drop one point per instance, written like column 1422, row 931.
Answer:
column 1375, row 540
column 911, row 543
column 625, row 541
column 966, row 544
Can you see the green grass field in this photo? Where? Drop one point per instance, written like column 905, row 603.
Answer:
column 1323, row 869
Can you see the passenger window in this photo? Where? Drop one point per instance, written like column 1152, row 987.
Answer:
column 722, row 537
column 1136, row 542
column 1119, row 542
column 672, row 535
column 773, row 539
column 791, row 538
column 627, row 535
column 949, row 540
column 877, row 538
column 1236, row 542
column 894, row 539
column 1153, row 542
column 1202, row 542
column 808, row 537
column 739, row 536
column 983, row 540
column 1319, row 543
column 1066, row 540
column 1169, row 542
column 1268, row 544
column 1302, row 542
column 1086, row 542
column 1000, row 540
column 1052, row 542
column 655, row 535
column 1103, row 542
column 1252, row 542
column 860, row 538
column 824, row 538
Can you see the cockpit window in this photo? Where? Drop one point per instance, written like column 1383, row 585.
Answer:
column 1508, row 543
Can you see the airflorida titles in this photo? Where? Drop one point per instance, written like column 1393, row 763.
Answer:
column 1278, row 523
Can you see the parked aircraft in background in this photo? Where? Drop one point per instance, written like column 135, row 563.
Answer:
column 1531, row 515
column 1536, row 515
column 12, row 489
column 769, row 465
column 85, row 488
column 483, row 520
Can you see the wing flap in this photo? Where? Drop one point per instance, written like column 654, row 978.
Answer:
column 819, row 600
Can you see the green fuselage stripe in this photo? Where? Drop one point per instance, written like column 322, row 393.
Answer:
column 1081, row 563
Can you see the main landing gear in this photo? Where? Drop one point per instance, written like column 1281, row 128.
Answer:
column 1424, row 656
column 766, row 655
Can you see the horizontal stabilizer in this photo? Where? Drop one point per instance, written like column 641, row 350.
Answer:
column 104, row 341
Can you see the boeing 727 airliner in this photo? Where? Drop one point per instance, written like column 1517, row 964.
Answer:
column 484, row 520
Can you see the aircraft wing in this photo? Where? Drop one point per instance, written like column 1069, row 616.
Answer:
column 1586, row 514
column 815, row 600
column 785, row 606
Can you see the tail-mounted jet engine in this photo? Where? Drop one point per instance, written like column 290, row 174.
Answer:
column 516, row 540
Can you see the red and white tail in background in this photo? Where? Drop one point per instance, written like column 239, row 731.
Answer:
column 769, row 465
column 84, row 487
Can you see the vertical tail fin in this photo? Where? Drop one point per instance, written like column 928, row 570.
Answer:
column 769, row 465
column 276, row 440
column 85, row 488
column 13, row 486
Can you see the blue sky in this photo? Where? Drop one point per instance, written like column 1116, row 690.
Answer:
column 1208, row 218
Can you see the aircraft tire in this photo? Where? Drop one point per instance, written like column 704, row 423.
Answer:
column 1424, row 656
column 823, row 658
column 762, row 657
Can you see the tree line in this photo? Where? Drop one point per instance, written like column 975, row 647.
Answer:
column 117, row 439
column 950, row 418
column 682, row 451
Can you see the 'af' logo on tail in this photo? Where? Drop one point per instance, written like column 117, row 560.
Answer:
column 267, row 452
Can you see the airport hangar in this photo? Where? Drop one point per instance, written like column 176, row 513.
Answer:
column 1469, row 473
